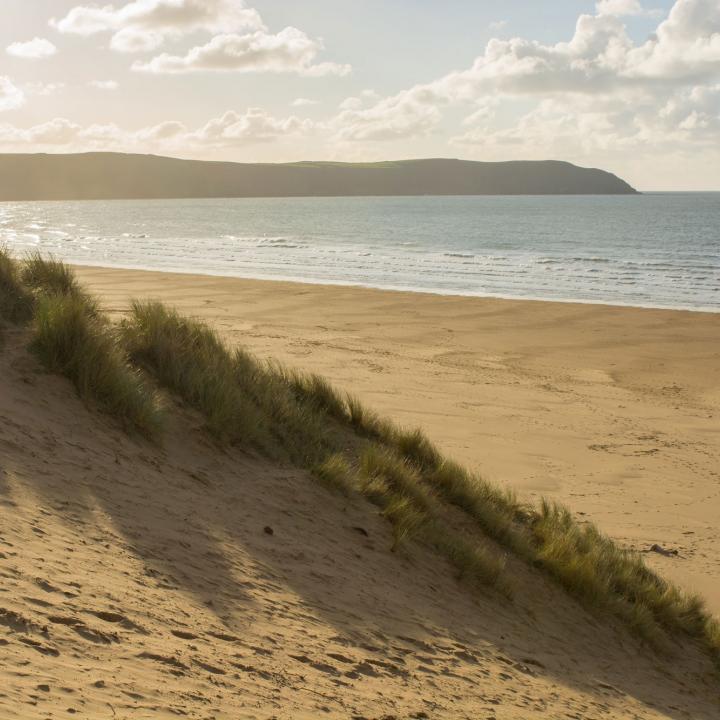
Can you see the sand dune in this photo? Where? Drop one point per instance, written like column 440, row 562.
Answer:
column 614, row 411
column 141, row 582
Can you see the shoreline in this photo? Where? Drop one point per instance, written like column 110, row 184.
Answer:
column 611, row 411
column 393, row 289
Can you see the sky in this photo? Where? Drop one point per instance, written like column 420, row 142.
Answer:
column 631, row 86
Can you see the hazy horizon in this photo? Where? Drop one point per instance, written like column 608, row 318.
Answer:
column 627, row 86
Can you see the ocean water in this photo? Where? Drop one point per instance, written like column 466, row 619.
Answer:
column 650, row 250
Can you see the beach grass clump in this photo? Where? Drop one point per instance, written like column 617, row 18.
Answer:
column 301, row 424
column 366, row 422
column 397, row 474
column 81, row 346
column 601, row 574
column 587, row 564
column 415, row 446
column 48, row 276
column 188, row 358
column 16, row 302
column 245, row 401
column 496, row 511
column 476, row 566
column 382, row 482
column 392, row 482
column 335, row 473
column 314, row 389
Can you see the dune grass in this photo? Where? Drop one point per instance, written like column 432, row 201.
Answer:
column 312, row 389
column 51, row 276
column 270, row 407
column 72, row 338
column 280, row 411
column 244, row 401
column 587, row 564
column 301, row 418
column 335, row 473
column 598, row 572
column 16, row 302
column 189, row 359
column 82, row 347
column 294, row 416
column 390, row 481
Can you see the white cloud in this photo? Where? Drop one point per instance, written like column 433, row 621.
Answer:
column 145, row 24
column 240, row 40
column 132, row 40
column 43, row 89
column 164, row 131
column 411, row 113
column 601, row 57
column 619, row 7
column 685, row 47
column 580, row 128
column 104, row 84
column 304, row 102
column 623, row 8
column 289, row 50
column 255, row 125
column 59, row 131
column 11, row 96
column 35, row 49
column 599, row 61
column 232, row 129
column 357, row 101
column 497, row 25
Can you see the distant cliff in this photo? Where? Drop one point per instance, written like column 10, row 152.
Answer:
column 115, row 175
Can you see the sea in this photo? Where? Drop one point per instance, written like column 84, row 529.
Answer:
column 659, row 250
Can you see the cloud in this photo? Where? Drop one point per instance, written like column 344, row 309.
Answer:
column 35, row 49
column 11, row 96
column 54, row 132
column 601, row 57
column 685, row 47
column 619, row 7
column 689, row 121
column 232, row 129
column 289, row 51
column 497, row 25
column 145, row 25
column 412, row 113
column 162, row 132
column 600, row 61
column 357, row 101
column 104, row 84
column 132, row 40
column 240, row 40
column 42, row 89
column 304, row 102
column 255, row 125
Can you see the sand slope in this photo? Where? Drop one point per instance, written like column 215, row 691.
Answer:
column 613, row 411
column 140, row 582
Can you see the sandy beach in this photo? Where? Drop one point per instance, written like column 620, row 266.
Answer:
column 610, row 410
